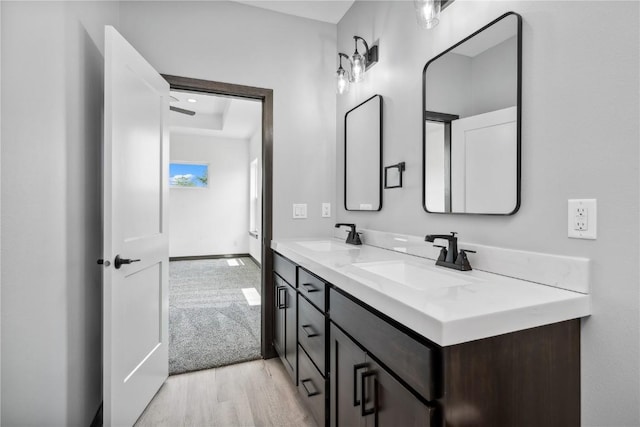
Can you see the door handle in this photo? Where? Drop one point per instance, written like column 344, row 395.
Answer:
column 119, row 262
column 282, row 304
column 356, row 368
column 363, row 394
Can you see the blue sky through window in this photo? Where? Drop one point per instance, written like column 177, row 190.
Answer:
column 188, row 175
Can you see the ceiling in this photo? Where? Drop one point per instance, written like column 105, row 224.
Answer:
column 218, row 116
column 330, row 11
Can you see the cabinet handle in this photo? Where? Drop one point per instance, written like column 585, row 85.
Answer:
column 356, row 368
column 307, row 333
column 304, row 385
column 363, row 392
column 282, row 304
column 310, row 288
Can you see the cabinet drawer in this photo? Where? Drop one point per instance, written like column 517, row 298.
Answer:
column 411, row 360
column 311, row 332
column 285, row 269
column 311, row 387
column 312, row 288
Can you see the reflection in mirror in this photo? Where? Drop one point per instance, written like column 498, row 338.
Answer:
column 471, row 103
column 363, row 156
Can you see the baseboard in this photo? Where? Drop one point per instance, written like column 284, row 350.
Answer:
column 198, row 257
column 97, row 420
column 255, row 261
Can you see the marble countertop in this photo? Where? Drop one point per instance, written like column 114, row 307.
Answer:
column 448, row 307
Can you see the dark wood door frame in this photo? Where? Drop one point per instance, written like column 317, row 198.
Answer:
column 266, row 97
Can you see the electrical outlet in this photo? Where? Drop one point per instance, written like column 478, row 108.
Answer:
column 326, row 210
column 582, row 219
column 299, row 210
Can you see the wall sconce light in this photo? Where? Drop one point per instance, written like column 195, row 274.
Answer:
column 342, row 76
column 358, row 64
column 427, row 12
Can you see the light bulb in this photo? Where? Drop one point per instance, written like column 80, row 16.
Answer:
column 427, row 13
column 358, row 65
column 342, row 80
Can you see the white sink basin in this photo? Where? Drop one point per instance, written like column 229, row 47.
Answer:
column 324, row 246
column 413, row 275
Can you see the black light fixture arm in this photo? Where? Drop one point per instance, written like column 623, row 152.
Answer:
column 342, row 55
column 371, row 54
column 366, row 46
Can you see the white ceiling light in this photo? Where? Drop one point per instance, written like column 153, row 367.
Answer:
column 192, row 100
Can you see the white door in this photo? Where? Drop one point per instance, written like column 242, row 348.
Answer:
column 484, row 161
column 135, row 179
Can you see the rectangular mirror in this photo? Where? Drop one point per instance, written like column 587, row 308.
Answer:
column 471, row 133
column 363, row 156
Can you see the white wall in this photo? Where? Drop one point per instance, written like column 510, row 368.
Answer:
column 51, row 132
column 213, row 220
column 580, row 133
column 255, row 152
column 52, row 102
column 236, row 43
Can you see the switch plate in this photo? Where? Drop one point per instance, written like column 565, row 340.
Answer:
column 299, row 210
column 582, row 219
column 326, row 210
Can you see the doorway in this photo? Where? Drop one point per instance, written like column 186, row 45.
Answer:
column 265, row 97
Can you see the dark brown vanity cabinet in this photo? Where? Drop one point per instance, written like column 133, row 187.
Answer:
column 285, row 315
column 363, row 392
column 358, row 367
column 312, row 344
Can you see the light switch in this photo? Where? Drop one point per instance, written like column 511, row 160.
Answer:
column 299, row 210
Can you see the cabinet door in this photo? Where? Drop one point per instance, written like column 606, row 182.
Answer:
column 347, row 363
column 278, row 321
column 284, row 324
column 290, row 332
column 388, row 403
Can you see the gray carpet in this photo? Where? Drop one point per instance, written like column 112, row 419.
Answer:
column 211, row 323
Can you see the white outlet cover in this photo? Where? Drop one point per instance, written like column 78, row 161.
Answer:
column 326, row 210
column 582, row 219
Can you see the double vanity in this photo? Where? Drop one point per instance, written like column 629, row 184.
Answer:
column 397, row 335
column 375, row 337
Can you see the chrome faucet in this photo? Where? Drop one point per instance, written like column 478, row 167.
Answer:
column 450, row 257
column 353, row 238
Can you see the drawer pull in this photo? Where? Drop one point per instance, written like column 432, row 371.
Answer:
column 282, row 302
column 309, row 334
column 363, row 392
column 304, row 385
column 356, row 368
column 310, row 288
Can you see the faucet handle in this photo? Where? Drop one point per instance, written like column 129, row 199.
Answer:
column 462, row 259
column 443, row 252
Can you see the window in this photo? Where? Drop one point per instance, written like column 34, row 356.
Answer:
column 254, row 210
column 188, row 175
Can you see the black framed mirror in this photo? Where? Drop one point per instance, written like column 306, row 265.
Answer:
column 363, row 156
column 471, row 103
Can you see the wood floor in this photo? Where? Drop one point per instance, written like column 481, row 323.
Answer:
column 257, row 393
